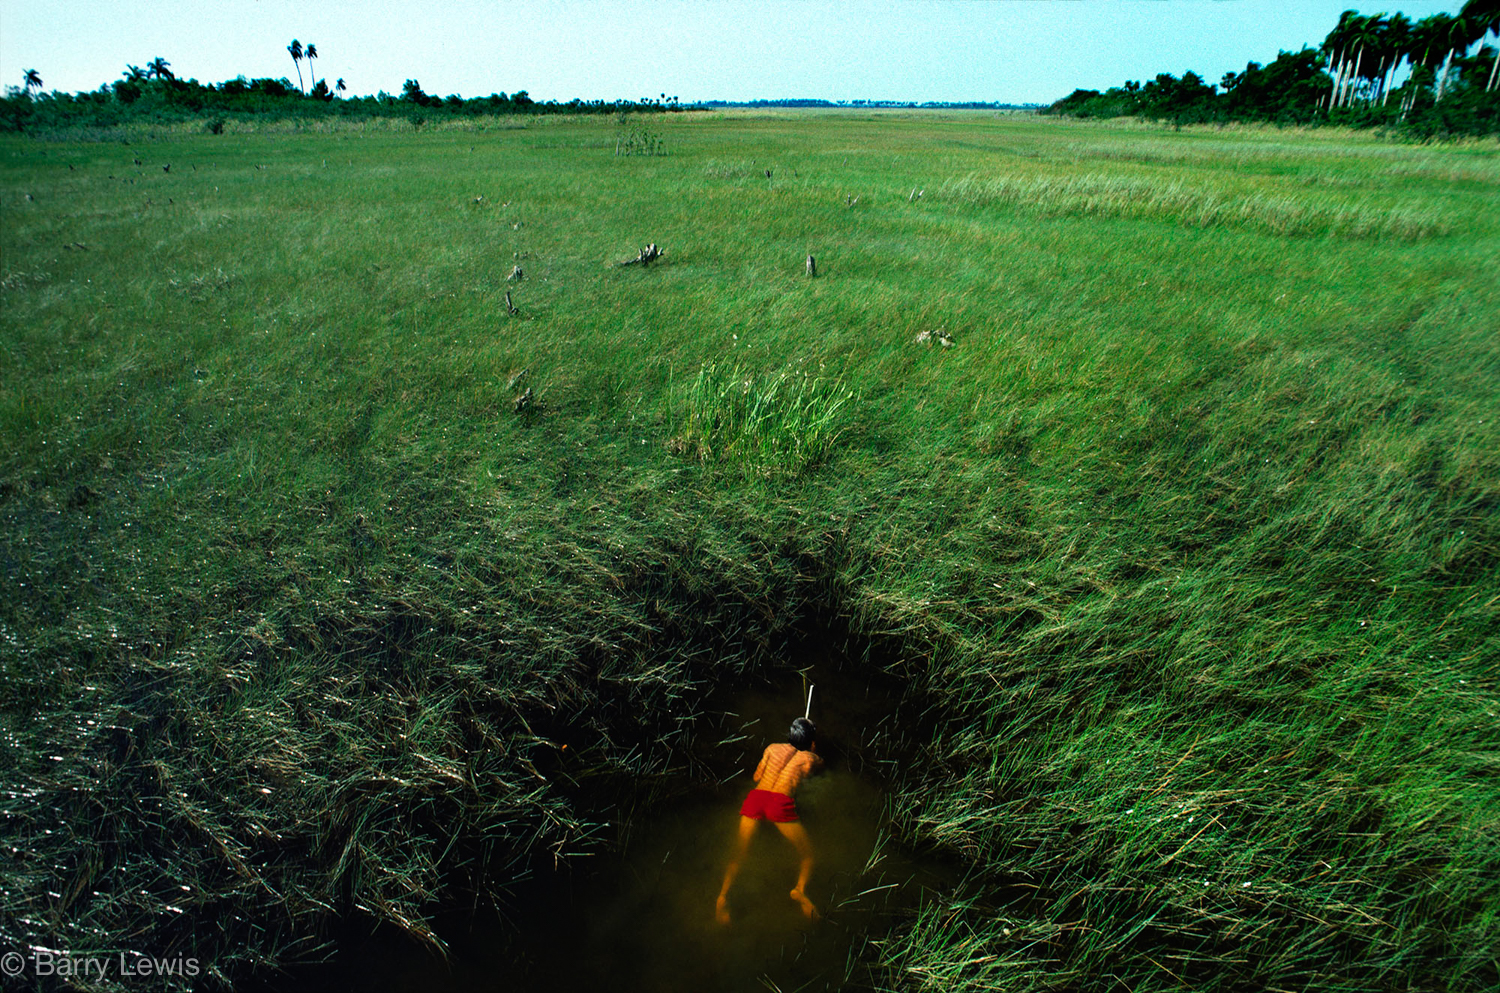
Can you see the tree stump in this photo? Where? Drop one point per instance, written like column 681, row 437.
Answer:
column 646, row 255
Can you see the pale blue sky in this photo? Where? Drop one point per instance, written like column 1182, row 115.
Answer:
column 1015, row 51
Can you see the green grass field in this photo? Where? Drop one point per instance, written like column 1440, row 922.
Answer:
column 1162, row 467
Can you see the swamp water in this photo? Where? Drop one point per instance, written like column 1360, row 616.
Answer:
column 641, row 917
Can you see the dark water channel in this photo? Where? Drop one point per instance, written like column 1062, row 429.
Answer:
column 641, row 917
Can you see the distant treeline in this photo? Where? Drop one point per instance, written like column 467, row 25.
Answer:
column 926, row 104
column 1350, row 79
column 158, row 96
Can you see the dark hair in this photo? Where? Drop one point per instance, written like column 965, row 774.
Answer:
column 804, row 732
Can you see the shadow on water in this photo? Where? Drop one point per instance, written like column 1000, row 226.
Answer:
column 641, row 916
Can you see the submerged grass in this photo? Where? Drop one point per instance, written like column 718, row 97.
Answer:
column 1189, row 539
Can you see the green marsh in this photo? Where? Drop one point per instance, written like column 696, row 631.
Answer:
column 1156, row 471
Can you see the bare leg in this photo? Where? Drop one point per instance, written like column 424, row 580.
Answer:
column 797, row 835
column 742, row 845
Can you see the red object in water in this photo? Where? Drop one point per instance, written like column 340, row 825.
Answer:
column 770, row 806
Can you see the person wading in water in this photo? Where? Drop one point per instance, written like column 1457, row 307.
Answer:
column 782, row 768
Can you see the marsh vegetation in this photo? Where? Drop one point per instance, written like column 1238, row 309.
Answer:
column 1179, row 560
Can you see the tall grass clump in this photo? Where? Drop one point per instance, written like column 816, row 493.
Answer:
column 633, row 138
column 780, row 421
column 729, row 169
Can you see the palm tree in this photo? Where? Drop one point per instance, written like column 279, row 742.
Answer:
column 310, row 54
column 1425, row 44
column 157, row 68
column 1463, row 30
column 296, row 49
column 1353, row 28
column 1486, row 14
column 1395, row 42
column 134, row 73
column 33, row 80
column 341, row 87
column 1427, row 37
column 1337, row 47
column 1359, row 36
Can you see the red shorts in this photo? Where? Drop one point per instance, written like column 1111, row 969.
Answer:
column 770, row 806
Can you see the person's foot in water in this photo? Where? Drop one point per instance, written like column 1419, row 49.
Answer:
column 808, row 910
